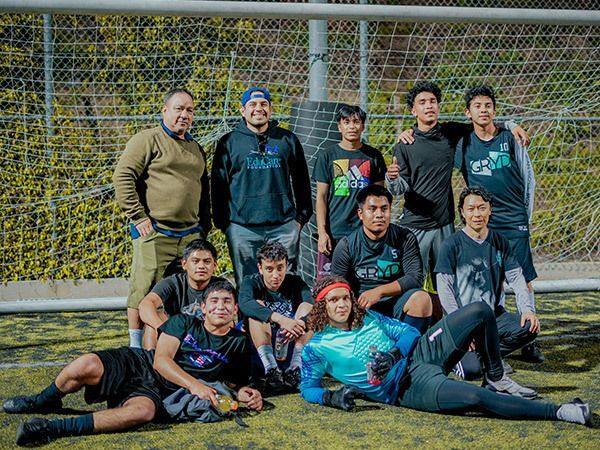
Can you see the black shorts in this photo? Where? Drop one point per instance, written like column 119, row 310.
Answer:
column 394, row 306
column 521, row 249
column 127, row 373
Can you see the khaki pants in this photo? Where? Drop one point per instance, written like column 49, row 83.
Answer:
column 151, row 255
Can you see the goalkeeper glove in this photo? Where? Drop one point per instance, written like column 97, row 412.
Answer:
column 343, row 398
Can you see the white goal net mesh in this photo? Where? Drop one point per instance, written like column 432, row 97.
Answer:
column 73, row 89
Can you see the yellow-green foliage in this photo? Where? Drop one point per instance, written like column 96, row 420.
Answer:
column 59, row 219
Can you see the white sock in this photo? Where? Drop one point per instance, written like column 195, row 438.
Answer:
column 265, row 352
column 135, row 338
column 296, row 356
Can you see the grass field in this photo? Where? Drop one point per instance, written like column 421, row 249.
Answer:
column 32, row 346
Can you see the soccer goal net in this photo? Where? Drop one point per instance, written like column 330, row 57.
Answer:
column 74, row 88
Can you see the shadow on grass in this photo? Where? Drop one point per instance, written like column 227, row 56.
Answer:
column 576, row 352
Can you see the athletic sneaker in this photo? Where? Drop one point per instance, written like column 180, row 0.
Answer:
column 508, row 386
column 532, row 353
column 292, row 377
column 274, row 383
column 33, row 432
column 28, row 404
column 575, row 411
column 508, row 370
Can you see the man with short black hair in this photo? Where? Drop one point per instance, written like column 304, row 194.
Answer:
column 382, row 263
column 190, row 354
column 472, row 266
column 340, row 172
column 490, row 157
column 390, row 362
column 180, row 293
column 161, row 183
column 261, row 179
column 275, row 301
column 421, row 169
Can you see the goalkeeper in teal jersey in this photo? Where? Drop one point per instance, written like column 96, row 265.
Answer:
column 411, row 370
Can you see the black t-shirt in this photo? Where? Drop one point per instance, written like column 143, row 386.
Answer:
column 367, row 264
column 178, row 296
column 205, row 355
column 427, row 167
column 285, row 301
column 491, row 164
column 347, row 172
column 479, row 268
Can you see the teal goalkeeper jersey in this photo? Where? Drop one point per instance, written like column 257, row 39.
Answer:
column 344, row 354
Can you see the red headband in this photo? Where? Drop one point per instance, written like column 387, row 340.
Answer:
column 326, row 290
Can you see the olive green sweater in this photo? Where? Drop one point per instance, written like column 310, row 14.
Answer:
column 165, row 179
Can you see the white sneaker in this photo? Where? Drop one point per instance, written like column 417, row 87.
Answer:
column 576, row 411
column 508, row 386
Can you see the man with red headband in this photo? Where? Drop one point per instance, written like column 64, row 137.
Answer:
column 411, row 370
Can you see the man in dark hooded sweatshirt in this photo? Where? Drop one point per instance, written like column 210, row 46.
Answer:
column 260, row 185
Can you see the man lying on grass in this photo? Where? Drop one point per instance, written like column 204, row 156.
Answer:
column 408, row 369
column 190, row 353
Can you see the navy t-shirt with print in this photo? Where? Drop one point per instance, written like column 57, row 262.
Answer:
column 347, row 172
column 491, row 164
column 366, row 263
column 205, row 355
column 284, row 301
column 479, row 268
column 178, row 296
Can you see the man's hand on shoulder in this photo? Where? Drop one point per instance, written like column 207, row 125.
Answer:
column 251, row 397
column 144, row 227
column 520, row 135
column 369, row 298
column 406, row 137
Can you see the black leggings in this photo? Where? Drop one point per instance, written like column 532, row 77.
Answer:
column 459, row 396
column 477, row 322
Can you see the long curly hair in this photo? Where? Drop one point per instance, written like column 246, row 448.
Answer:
column 318, row 318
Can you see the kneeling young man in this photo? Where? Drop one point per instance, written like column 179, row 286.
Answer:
column 382, row 262
column 275, row 301
column 471, row 268
column 411, row 370
column 133, row 382
column 180, row 293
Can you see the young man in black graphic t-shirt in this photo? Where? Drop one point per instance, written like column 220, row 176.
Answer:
column 276, row 302
column 472, row 266
column 134, row 382
column 180, row 293
column 382, row 263
column 340, row 172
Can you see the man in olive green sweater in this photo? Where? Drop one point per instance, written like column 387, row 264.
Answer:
column 161, row 183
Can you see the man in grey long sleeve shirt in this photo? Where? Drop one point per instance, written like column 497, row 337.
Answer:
column 472, row 266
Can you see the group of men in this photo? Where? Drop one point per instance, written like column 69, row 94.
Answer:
column 376, row 281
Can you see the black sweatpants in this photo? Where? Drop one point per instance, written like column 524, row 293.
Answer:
column 429, row 389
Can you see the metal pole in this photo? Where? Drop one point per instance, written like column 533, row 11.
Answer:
column 306, row 11
column 49, row 112
column 317, row 58
column 364, row 70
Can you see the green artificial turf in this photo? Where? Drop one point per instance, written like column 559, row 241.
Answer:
column 570, row 340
